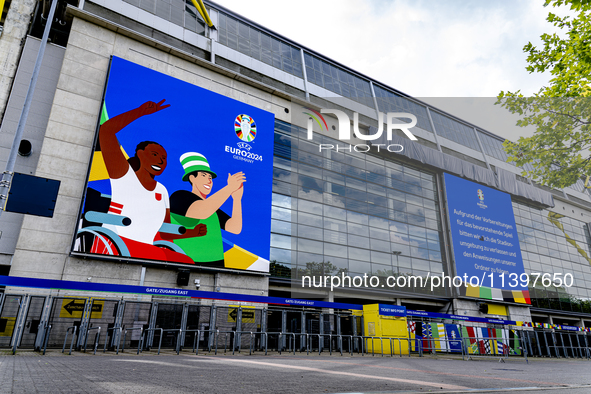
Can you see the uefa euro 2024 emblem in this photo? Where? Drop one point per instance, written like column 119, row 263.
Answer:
column 480, row 195
column 245, row 127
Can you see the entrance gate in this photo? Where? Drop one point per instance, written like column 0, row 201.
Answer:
column 36, row 321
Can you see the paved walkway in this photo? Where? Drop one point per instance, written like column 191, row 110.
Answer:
column 30, row 372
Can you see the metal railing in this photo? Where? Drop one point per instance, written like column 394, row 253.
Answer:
column 140, row 341
column 179, row 332
column 74, row 330
column 16, row 339
column 46, row 337
column 431, row 347
column 195, row 339
column 525, row 343
column 114, row 338
column 150, row 330
column 474, row 347
column 96, row 338
column 280, row 336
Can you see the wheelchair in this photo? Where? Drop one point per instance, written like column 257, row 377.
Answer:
column 93, row 238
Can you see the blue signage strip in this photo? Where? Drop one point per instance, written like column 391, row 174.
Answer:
column 484, row 236
column 386, row 310
column 570, row 328
column 163, row 291
column 392, row 310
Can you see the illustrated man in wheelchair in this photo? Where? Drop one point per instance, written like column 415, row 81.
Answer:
column 136, row 222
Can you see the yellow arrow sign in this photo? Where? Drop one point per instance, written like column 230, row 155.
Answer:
column 247, row 315
column 74, row 307
column 7, row 326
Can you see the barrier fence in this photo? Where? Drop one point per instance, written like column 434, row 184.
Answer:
column 41, row 322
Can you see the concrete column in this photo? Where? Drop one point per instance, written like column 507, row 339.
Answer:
column 16, row 26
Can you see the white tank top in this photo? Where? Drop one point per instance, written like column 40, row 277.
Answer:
column 146, row 209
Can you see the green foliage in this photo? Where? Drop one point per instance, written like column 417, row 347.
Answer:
column 559, row 150
column 279, row 270
column 320, row 269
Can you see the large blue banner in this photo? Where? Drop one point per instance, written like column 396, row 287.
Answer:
column 484, row 237
column 179, row 175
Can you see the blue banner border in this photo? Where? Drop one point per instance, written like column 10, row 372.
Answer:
column 38, row 283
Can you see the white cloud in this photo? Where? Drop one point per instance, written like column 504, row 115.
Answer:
column 425, row 48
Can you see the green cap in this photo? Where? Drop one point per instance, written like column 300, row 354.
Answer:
column 193, row 161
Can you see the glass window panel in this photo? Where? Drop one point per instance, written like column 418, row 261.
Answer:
column 310, row 183
column 376, row 189
column 398, row 227
column 334, row 212
column 280, row 255
column 335, row 224
column 356, row 194
column 334, row 178
column 307, row 245
column 278, row 226
column 335, row 189
column 306, row 259
column 310, row 207
column 331, row 249
column 357, row 218
column 382, row 246
column 434, row 244
column 358, row 254
column 417, row 231
column 415, row 210
column 360, row 267
column 379, row 234
column 357, row 241
column 419, row 242
column 434, row 256
column 353, row 228
column 379, row 222
column 381, row 258
column 399, row 238
column 280, row 241
column 312, row 171
column 337, row 201
column 418, row 264
column 336, row 237
column 310, row 220
column 281, row 200
column 356, row 184
column 281, row 213
column 396, row 195
column 356, row 205
column 310, row 232
column 401, row 261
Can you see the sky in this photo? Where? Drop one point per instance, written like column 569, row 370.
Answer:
column 425, row 48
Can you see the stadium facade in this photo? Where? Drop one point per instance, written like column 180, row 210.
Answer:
column 315, row 205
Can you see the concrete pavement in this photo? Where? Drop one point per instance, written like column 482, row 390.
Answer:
column 29, row 372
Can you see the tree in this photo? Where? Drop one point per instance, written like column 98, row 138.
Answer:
column 559, row 150
column 320, row 269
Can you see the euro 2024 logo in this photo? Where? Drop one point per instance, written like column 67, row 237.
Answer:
column 246, row 130
column 481, row 199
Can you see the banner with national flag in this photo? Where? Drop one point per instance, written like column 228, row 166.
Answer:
column 412, row 328
column 454, row 338
column 427, row 337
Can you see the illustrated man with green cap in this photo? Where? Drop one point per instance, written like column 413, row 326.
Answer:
column 189, row 208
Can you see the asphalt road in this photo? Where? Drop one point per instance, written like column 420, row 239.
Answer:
column 28, row 372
